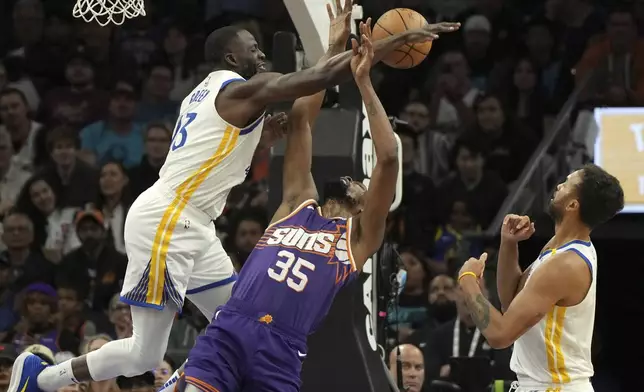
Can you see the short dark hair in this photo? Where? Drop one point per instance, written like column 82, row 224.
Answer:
column 217, row 43
column 470, row 142
column 600, row 196
column 404, row 130
column 62, row 133
column 14, row 91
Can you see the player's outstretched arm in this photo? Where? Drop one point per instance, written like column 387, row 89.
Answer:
column 562, row 277
column 368, row 229
column 297, row 183
column 242, row 100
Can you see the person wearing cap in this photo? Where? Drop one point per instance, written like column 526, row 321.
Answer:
column 95, row 265
column 8, row 354
column 80, row 103
column 477, row 37
column 36, row 325
column 119, row 137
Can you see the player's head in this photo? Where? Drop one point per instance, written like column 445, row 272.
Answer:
column 590, row 194
column 234, row 48
column 343, row 198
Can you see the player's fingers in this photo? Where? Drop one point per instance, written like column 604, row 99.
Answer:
column 354, row 46
column 368, row 27
column 338, row 6
column 532, row 227
column 367, row 43
column 483, row 257
column 348, row 5
column 329, row 11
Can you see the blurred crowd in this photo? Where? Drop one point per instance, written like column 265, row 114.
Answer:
column 87, row 114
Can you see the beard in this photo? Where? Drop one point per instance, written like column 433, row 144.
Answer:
column 443, row 311
column 248, row 70
column 555, row 212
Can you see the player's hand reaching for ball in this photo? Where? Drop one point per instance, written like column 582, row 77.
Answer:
column 473, row 266
column 431, row 31
column 516, row 228
column 362, row 53
column 340, row 27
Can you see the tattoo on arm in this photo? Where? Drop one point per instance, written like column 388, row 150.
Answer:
column 479, row 308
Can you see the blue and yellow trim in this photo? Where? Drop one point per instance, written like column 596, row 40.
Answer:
column 553, row 334
column 156, row 272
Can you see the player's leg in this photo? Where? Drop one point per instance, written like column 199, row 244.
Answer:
column 277, row 363
column 128, row 357
column 210, row 286
column 213, row 276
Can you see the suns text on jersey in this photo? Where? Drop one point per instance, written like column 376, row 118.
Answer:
column 298, row 238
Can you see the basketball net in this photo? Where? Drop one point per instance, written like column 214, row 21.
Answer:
column 105, row 12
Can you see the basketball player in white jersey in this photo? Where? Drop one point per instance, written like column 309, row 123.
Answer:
column 549, row 307
column 171, row 244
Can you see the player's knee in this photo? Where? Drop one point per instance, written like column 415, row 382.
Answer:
column 145, row 356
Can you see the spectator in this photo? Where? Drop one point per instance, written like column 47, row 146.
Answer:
column 114, row 201
column 74, row 182
column 94, row 344
column 454, row 94
column 12, row 177
column 526, row 99
column 248, row 229
column 27, row 264
column 80, row 102
column 36, row 325
column 7, row 356
column 14, row 113
column 449, row 236
column 54, row 231
column 119, row 138
column 480, row 189
column 413, row 367
column 163, row 372
column 477, row 37
column 8, row 314
column 96, row 266
column 157, row 145
column 508, row 147
column 411, row 311
column 156, row 104
column 442, row 308
column 617, row 63
column 540, row 44
column 141, row 383
column 176, row 51
column 120, row 317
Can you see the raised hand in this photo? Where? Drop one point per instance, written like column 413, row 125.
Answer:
column 516, row 228
column 362, row 53
column 430, row 32
column 340, row 26
column 473, row 266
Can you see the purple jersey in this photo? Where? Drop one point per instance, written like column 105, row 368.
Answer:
column 297, row 268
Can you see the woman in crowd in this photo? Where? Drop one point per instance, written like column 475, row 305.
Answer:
column 54, row 229
column 93, row 344
column 114, row 201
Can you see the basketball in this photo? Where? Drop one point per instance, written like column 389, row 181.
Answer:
column 396, row 21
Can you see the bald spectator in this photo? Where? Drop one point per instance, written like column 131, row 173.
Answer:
column 413, row 367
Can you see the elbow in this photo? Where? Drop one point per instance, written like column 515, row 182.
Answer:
column 389, row 158
column 498, row 341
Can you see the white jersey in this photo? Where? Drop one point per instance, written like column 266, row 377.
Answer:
column 557, row 349
column 208, row 156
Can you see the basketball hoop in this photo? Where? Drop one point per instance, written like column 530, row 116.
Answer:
column 105, row 12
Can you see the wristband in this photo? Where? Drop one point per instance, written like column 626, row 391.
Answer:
column 466, row 274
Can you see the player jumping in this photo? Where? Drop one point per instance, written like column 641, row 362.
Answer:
column 257, row 341
column 550, row 307
column 170, row 241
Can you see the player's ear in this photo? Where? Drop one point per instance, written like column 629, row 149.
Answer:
column 230, row 59
column 573, row 205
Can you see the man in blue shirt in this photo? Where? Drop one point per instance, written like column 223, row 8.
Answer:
column 119, row 137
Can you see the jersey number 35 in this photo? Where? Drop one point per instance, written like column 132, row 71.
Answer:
column 290, row 268
column 180, row 134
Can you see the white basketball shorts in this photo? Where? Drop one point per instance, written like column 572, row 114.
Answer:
column 172, row 249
